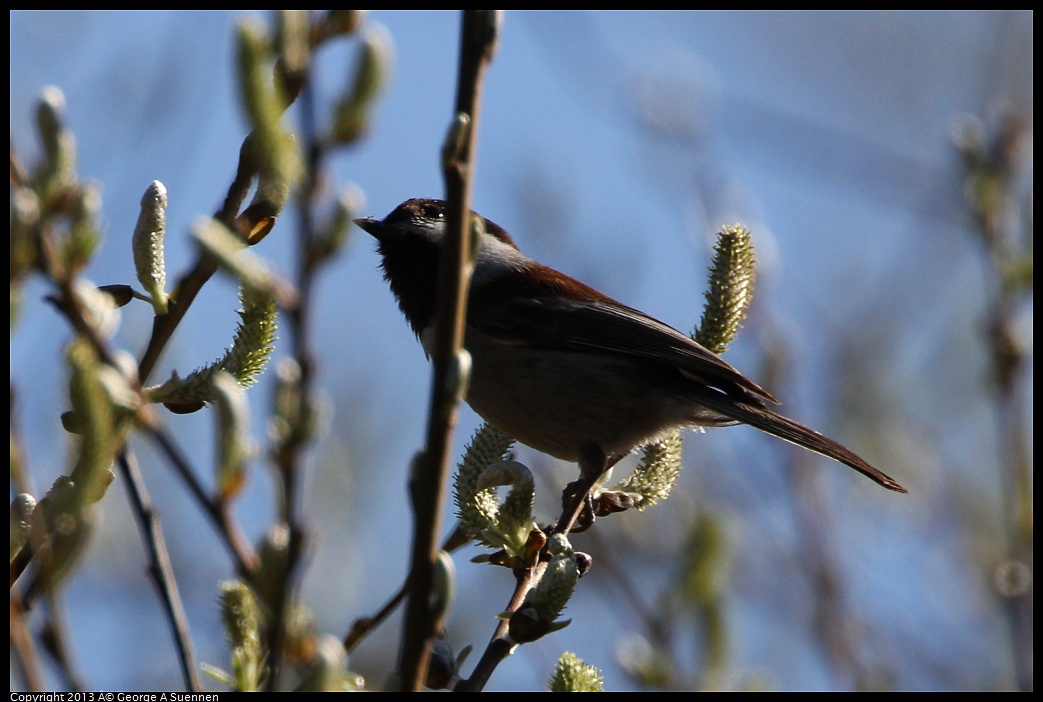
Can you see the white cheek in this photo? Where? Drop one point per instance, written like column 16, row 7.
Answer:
column 496, row 258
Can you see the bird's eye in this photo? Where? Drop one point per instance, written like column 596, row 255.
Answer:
column 433, row 211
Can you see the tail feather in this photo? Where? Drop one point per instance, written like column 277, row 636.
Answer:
column 785, row 428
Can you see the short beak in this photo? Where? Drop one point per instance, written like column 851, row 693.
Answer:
column 370, row 225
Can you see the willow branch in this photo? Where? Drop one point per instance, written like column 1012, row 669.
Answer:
column 430, row 472
column 160, row 569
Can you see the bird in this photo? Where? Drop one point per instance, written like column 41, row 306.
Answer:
column 565, row 369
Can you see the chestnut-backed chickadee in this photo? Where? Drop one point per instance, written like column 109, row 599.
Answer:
column 566, row 369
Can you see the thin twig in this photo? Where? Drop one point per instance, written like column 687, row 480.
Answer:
column 58, row 637
column 500, row 646
column 246, row 561
column 498, row 649
column 429, row 478
column 160, row 569
column 287, row 457
column 363, row 626
column 23, row 647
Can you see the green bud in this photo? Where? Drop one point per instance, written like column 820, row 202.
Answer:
column 371, row 74
column 443, row 586
column 573, row 675
column 548, row 599
column 477, row 507
column 329, row 670
column 25, row 223
column 456, row 140
column 242, row 622
column 57, row 169
column 147, row 244
column 84, row 235
column 730, row 288
column 657, row 472
column 234, row 446
column 512, row 521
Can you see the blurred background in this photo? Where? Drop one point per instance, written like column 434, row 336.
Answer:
column 612, row 146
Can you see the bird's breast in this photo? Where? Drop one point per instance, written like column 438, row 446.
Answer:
column 559, row 401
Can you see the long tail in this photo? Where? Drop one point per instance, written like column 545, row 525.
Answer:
column 785, row 428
